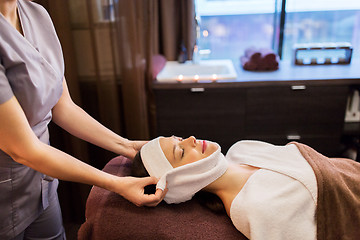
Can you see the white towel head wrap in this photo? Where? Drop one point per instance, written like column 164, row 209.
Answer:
column 184, row 181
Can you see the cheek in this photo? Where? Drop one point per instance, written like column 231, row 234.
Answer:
column 211, row 149
column 193, row 156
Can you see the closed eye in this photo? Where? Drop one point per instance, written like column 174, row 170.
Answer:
column 178, row 150
column 176, row 145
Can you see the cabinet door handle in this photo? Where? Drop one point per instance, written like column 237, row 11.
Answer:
column 298, row 87
column 293, row 137
column 199, row 89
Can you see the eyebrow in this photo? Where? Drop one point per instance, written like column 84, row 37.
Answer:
column 174, row 150
column 174, row 147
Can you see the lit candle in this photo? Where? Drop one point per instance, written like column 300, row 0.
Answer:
column 214, row 77
column 196, row 77
column 180, row 78
column 205, row 33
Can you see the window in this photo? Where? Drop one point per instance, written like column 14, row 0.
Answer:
column 228, row 27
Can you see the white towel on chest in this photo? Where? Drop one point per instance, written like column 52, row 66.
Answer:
column 279, row 200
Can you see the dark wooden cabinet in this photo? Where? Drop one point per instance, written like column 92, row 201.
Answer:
column 310, row 114
column 313, row 115
column 301, row 103
column 215, row 114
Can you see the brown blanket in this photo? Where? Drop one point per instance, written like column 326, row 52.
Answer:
column 110, row 217
column 338, row 208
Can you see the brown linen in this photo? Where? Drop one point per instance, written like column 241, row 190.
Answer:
column 109, row 216
column 338, row 207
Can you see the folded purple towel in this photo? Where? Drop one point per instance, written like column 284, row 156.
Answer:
column 262, row 59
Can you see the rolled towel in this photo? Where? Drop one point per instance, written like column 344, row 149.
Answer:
column 263, row 59
column 253, row 54
column 267, row 54
column 247, row 64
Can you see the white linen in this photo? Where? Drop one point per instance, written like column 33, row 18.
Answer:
column 279, row 200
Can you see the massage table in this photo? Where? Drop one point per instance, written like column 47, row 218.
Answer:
column 110, row 216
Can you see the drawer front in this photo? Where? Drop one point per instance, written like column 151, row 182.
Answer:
column 307, row 110
column 212, row 114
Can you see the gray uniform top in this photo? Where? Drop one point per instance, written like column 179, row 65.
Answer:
column 32, row 70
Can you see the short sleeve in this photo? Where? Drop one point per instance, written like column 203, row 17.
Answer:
column 5, row 89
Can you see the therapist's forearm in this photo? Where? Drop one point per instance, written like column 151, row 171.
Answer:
column 57, row 164
column 77, row 122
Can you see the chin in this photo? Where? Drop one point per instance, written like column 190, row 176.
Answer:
column 211, row 147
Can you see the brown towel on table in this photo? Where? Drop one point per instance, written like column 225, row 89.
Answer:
column 338, row 208
column 110, row 217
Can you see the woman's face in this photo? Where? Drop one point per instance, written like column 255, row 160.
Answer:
column 183, row 151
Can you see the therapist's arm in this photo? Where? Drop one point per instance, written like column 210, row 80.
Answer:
column 19, row 141
column 77, row 122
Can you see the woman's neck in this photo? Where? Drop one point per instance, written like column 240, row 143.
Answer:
column 8, row 9
column 230, row 183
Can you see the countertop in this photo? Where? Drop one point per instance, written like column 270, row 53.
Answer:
column 287, row 74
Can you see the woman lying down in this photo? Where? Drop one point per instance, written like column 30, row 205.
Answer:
column 268, row 191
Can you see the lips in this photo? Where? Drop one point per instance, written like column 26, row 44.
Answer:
column 203, row 146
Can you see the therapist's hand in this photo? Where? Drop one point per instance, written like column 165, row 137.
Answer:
column 133, row 190
column 133, row 147
column 138, row 144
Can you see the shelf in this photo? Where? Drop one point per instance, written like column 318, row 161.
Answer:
column 287, row 74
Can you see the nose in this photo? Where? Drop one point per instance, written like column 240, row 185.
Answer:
column 191, row 141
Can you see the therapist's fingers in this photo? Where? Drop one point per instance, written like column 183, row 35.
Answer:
column 149, row 181
column 138, row 144
column 134, row 148
column 132, row 189
column 155, row 199
column 152, row 200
